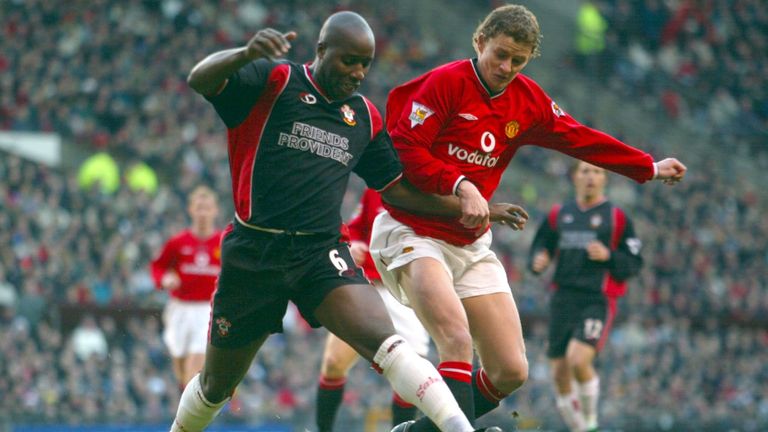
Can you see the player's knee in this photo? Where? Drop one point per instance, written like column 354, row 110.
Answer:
column 336, row 365
column 454, row 343
column 511, row 375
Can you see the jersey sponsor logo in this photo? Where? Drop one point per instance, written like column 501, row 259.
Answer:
column 317, row 141
column 557, row 110
column 576, row 239
column 348, row 115
column 468, row 116
column 307, row 98
column 419, row 113
column 475, row 157
column 511, row 129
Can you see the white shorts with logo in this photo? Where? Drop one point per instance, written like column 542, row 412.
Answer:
column 406, row 322
column 186, row 327
column 474, row 269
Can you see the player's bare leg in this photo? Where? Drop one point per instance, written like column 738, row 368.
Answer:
column 567, row 397
column 193, row 364
column 431, row 295
column 207, row 392
column 498, row 336
column 338, row 359
column 580, row 357
column 356, row 313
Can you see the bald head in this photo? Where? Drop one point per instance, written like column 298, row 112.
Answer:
column 345, row 27
column 345, row 50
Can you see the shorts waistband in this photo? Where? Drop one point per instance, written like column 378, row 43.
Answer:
column 270, row 230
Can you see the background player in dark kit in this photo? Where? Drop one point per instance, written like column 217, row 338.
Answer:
column 594, row 245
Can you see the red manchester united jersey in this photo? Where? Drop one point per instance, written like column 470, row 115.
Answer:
column 360, row 227
column 446, row 125
column 197, row 262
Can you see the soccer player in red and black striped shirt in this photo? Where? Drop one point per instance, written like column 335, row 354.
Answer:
column 594, row 245
column 296, row 132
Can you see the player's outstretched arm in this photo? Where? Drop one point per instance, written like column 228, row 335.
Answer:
column 210, row 75
column 670, row 171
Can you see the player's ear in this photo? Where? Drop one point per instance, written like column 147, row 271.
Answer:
column 321, row 48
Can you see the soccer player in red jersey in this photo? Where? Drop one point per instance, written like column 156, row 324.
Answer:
column 456, row 128
column 295, row 134
column 187, row 267
column 338, row 356
column 594, row 245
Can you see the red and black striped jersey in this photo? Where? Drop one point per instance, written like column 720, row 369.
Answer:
column 291, row 149
column 565, row 234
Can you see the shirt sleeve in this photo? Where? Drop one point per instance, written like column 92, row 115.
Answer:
column 165, row 261
column 379, row 166
column 422, row 109
column 626, row 260
column 546, row 238
column 243, row 88
column 557, row 130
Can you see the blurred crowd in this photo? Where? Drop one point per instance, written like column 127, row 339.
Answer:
column 705, row 60
column 690, row 349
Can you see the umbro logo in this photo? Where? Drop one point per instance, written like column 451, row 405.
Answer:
column 308, row 98
column 467, row 116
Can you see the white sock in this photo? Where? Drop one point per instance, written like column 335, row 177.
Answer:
column 417, row 381
column 570, row 410
column 589, row 393
column 195, row 412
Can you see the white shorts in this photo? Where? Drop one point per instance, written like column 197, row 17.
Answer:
column 406, row 322
column 474, row 269
column 186, row 327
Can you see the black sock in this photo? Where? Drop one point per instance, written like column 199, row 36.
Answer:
column 402, row 411
column 487, row 397
column 329, row 396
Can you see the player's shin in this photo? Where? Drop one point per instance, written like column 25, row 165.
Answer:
column 589, row 393
column 195, row 412
column 569, row 407
column 417, row 381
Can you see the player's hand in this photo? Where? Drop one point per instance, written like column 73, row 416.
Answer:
column 170, row 280
column 474, row 208
column 269, row 43
column 358, row 249
column 670, row 171
column 597, row 251
column 510, row 215
column 540, row 261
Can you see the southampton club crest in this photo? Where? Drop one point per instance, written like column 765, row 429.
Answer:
column 348, row 115
column 223, row 326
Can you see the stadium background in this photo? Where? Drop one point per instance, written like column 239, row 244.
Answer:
column 80, row 341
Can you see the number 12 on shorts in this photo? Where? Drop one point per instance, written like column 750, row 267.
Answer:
column 592, row 328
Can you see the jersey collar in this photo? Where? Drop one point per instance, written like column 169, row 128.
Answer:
column 482, row 81
column 311, row 79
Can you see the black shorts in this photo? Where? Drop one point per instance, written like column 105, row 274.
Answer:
column 580, row 315
column 261, row 272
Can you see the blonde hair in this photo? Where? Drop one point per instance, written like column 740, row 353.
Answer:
column 512, row 20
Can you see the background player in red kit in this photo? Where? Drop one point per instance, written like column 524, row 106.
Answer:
column 295, row 133
column 596, row 250
column 456, row 128
column 338, row 356
column 187, row 267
